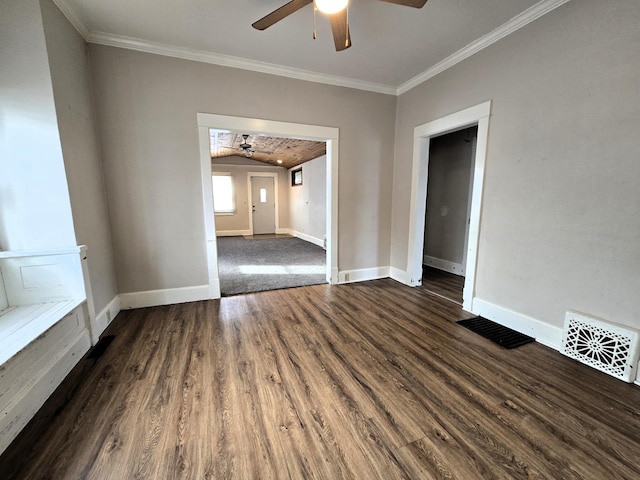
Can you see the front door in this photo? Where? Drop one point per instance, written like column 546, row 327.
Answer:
column 263, row 205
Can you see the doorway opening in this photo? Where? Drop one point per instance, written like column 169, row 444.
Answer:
column 274, row 236
column 258, row 182
column 477, row 116
column 446, row 234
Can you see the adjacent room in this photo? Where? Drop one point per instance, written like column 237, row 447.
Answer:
column 259, row 194
column 317, row 239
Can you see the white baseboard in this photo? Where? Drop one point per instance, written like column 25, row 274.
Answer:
column 104, row 318
column 446, row 265
column 307, row 238
column 168, row 296
column 399, row 275
column 543, row 332
column 232, row 233
column 363, row 274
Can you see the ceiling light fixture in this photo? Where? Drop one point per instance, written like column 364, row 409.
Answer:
column 331, row 6
column 279, row 161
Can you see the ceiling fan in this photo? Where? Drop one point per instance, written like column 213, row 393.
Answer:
column 338, row 15
column 246, row 148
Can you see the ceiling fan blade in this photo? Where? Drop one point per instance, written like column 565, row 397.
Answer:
column 280, row 13
column 340, row 29
column 408, row 3
column 266, row 152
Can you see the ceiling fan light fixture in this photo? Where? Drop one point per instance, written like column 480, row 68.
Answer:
column 331, row 6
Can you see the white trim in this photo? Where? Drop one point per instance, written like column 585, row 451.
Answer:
column 446, row 265
column 536, row 11
column 141, row 45
column 232, row 233
column 363, row 274
column 169, row 296
column 104, row 319
column 40, row 253
column 307, row 238
column 533, row 13
column 73, row 17
column 276, row 213
column 478, row 114
column 399, row 275
column 211, row 246
column 544, row 333
column 253, row 126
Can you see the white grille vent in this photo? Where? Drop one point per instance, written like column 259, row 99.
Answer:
column 608, row 348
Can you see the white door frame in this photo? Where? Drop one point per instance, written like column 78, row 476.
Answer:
column 275, row 197
column 477, row 115
column 253, row 126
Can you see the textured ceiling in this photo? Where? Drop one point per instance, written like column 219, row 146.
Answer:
column 289, row 151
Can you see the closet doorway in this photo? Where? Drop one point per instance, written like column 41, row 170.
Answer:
column 448, row 210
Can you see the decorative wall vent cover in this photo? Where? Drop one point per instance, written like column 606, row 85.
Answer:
column 608, row 348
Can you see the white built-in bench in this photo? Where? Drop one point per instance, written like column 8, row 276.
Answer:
column 44, row 329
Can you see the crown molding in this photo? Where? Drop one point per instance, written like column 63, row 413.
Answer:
column 517, row 22
column 235, row 62
column 533, row 13
column 70, row 12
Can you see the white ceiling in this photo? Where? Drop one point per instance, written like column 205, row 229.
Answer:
column 393, row 45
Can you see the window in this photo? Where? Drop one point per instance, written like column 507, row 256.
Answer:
column 296, row 177
column 224, row 198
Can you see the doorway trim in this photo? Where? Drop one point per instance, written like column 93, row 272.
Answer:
column 254, row 126
column 476, row 115
column 275, row 198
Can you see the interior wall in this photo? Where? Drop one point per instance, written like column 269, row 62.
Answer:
column 35, row 210
column 308, row 202
column 240, row 221
column 559, row 222
column 72, row 93
column 448, row 190
column 146, row 108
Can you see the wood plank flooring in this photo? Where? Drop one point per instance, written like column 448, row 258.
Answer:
column 362, row 381
column 445, row 284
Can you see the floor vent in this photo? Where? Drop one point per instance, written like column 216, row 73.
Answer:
column 608, row 348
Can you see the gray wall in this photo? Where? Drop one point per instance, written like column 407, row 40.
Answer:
column 71, row 81
column 450, row 160
column 561, row 204
column 240, row 220
column 308, row 202
column 146, row 108
column 35, row 211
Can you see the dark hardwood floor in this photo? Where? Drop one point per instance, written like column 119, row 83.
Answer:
column 442, row 283
column 367, row 380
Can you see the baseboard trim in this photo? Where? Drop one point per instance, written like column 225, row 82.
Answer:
column 307, row 238
column 362, row 275
column 104, row 318
column 446, row 265
column 232, row 233
column 153, row 298
column 399, row 275
column 544, row 333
